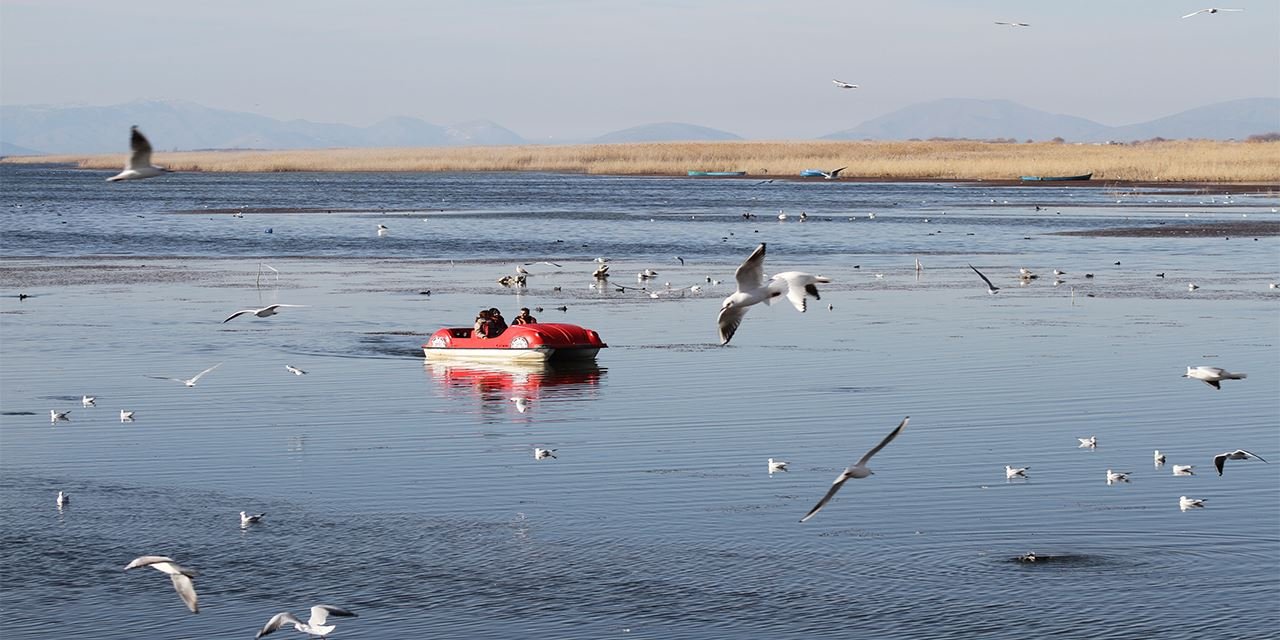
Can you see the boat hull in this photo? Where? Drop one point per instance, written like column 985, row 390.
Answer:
column 1084, row 176
column 717, row 174
column 526, row 343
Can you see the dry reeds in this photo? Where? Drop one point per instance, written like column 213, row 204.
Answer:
column 1161, row 161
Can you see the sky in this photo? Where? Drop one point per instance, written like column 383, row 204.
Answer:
column 559, row 70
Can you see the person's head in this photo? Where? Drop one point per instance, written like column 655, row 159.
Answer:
column 524, row 311
column 484, row 313
column 494, row 311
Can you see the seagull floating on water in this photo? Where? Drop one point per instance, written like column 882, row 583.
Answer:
column 126, row 416
column 265, row 312
column 294, row 370
column 382, row 230
column 858, row 470
column 752, row 289
column 191, row 382
column 844, row 85
column 180, row 576
column 1213, row 376
column 991, row 288
column 1091, row 442
column 138, row 166
column 87, row 401
column 63, row 500
column 1015, row 472
column 1238, row 454
column 314, row 626
column 777, row 465
column 59, row 416
column 540, row 453
column 522, row 404
column 1210, row 10
column 1186, row 503
column 1184, row 469
column 247, row 519
column 1117, row 476
column 1158, row 457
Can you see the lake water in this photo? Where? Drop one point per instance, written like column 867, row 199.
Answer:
column 408, row 492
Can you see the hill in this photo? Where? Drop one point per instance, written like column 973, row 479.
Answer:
column 665, row 132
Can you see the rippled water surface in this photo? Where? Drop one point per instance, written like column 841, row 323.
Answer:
column 408, row 492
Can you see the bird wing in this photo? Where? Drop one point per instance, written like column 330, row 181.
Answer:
column 793, row 284
column 186, row 589
column 321, row 612
column 199, row 375
column 837, row 171
column 1194, row 13
column 143, row 561
column 835, row 486
column 984, row 278
column 277, row 621
column 887, row 439
column 164, row 378
column 238, row 314
column 141, row 156
column 1218, row 461
column 730, row 318
column 1250, row 453
column 750, row 273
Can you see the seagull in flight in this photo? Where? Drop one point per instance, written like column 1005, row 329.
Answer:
column 752, row 289
column 1213, row 376
column 832, row 175
column 1013, row 24
column 991, row 288
column 247, row 519
column 858, row 470
column 294, row 370
column 1238, row 454
column 1211, row 10
column 844, row 85
column 191, row 382
column 265, row 312
column 314, row 626
column 180, row 576
column 139, row 164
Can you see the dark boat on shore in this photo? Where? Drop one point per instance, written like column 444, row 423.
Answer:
column 1055, row 178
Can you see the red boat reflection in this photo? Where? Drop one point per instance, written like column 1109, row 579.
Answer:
column 516, row 385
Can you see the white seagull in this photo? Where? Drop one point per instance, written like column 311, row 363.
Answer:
column 87, row 401
column 1238, row 454
column 59, row 416
column 265, row 312
column 777, row 465
column 63, row 500
column 126, row 416
column 1091, row 442
column 191, row 382
column 1184, row 469
column 831, row 175
column 1213, row 376
column 1117, row 476
column 752, row 289
column 1211, row 10
column 1015, row 472
column 180, row 576
column 844, row 85
column 522, row 404
column 1158, row 457
column 382, row 230
column 138, row 166
column 858, row 470
column 1013, row 24
column 248, row 519
column 540, row 453
column 991, row 288
column 1185, row 503
column 315, row 626
column 294, row 370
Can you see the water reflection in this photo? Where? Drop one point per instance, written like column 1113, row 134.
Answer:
column 515, row 388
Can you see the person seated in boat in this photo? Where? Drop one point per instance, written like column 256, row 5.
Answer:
column 484, row 325
column 497, row 324
column 524, row 317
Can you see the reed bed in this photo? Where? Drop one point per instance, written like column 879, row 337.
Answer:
column 1161, row 161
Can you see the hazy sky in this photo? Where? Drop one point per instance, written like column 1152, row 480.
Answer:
column 564, row 69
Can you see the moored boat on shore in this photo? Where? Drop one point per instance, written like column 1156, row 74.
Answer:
column 1083, row 176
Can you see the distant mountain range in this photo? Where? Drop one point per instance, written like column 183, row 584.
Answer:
column 988, row 119
column 174, row 125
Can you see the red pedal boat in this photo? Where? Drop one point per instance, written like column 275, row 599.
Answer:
column 538, row 342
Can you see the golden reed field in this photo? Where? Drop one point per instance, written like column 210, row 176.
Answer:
column 1158, row 161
